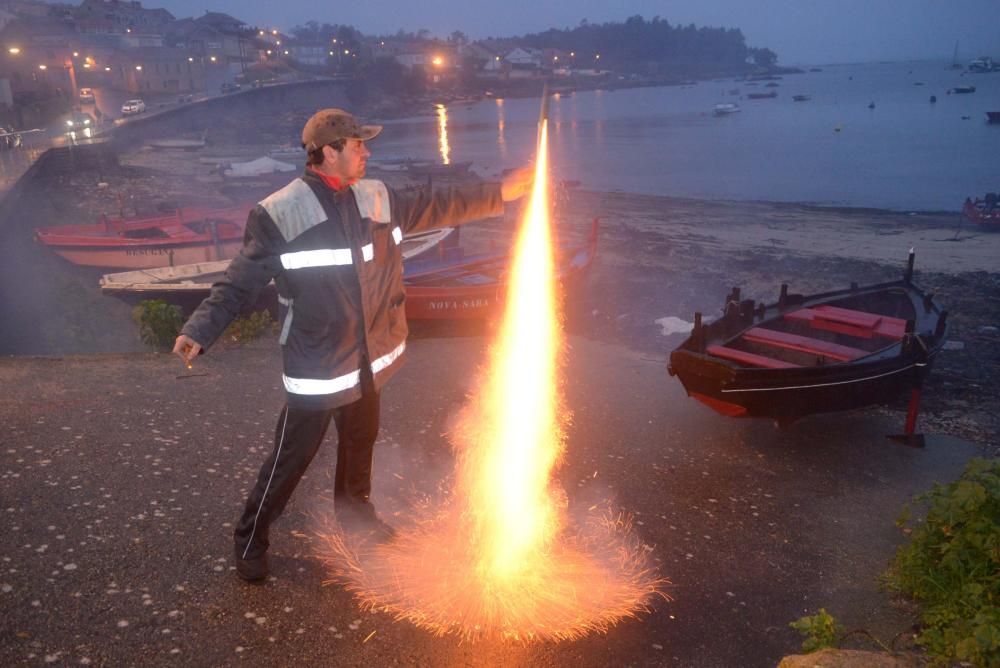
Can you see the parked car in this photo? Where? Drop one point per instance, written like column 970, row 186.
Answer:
column 86, row 96
column 184, row 98
column 133, row 107
column 229, row 87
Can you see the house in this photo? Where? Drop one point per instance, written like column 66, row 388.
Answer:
column 117, row 16
column 524, row 57
column 160, row 70
column 313, row 54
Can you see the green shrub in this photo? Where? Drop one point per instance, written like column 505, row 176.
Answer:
column 951, row 566
column 818, row 632
column 159, row 322
column 247, row 328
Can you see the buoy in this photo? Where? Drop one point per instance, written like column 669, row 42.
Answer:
column 871, row 105
column 837, row 129
column 933, row 99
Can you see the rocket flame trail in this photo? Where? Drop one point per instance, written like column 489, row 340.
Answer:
column 499, row 560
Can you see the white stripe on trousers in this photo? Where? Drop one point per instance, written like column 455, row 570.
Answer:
column 277, row 454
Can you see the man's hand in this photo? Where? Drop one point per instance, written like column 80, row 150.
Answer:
column 517, row 184
column 186, row 348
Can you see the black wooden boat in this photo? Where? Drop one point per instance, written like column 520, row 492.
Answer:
column 811, row 354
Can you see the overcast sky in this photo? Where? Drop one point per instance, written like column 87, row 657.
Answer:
column 800, row 31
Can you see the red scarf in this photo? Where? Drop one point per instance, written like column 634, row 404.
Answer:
column 331, row 181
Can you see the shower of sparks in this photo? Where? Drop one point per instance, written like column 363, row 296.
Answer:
column 499, row 558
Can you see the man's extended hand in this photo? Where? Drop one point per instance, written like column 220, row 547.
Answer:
column 186, row 348
column 517, row 183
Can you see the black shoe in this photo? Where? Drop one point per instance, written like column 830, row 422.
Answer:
column 252, row 570
column 364, row 522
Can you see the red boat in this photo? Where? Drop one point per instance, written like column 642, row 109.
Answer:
column 473, row 287
column 185, row 236
column 984, row 211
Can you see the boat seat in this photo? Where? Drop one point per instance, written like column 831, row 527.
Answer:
column 178, row 231
column 803, row 344
column 853, row 323
column 749, row 359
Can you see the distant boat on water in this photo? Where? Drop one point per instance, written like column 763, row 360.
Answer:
column 984, row 64
column 726, row 108
column 762, row 96
column 960, row 90
column 801, row 98
column 993, row 117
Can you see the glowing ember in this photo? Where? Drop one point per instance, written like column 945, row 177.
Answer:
column 500, row 559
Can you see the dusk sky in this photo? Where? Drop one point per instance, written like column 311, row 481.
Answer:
column 800, row 31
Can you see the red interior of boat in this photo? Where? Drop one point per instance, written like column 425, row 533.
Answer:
column 833, row 319
column 803, row 344
column 853, row 323
column 749, row 359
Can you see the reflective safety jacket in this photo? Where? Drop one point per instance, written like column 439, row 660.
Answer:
column 335, row 257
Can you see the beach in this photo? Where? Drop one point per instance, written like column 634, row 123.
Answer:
column 123, row 472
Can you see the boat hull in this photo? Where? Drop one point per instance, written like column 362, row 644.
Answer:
column 186, row 236
column 148, row 256
column 983, row 212
column 789, row 395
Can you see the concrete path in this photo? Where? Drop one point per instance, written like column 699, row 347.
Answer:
column 121, row 476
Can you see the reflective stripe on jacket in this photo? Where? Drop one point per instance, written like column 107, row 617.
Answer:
column 336, row 260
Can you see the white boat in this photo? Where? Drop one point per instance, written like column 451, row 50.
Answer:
column 726, row 108
column 199, row 277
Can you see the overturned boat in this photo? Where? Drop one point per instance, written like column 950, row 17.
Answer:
column 810, row 354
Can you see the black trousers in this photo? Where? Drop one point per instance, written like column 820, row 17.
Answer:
column 297, row 437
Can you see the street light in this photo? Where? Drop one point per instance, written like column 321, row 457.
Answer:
column 139, row 67
column 13, row 50
column 43, row 67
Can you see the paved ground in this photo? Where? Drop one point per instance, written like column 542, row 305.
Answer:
column 121, row 477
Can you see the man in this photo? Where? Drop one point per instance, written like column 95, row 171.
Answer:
column 331, row 242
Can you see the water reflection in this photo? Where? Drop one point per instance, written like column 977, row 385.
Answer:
column 442, row 114
column 501, row 124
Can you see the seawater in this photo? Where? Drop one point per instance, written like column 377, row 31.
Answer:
column 832, row 150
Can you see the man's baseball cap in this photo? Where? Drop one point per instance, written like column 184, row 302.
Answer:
column 328, row 125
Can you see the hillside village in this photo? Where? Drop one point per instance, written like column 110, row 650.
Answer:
column 52, row 51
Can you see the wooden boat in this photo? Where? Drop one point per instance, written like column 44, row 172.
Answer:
column 190, row 283
column 984, row 211
column 810, row 354
column 473, row 287
column 183, row 237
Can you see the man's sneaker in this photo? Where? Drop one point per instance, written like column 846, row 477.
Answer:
column 252, row 570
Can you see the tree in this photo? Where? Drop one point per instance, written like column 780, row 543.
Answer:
column 764, row 57
column 458, row 37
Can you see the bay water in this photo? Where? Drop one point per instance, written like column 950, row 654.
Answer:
column 868, row 136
